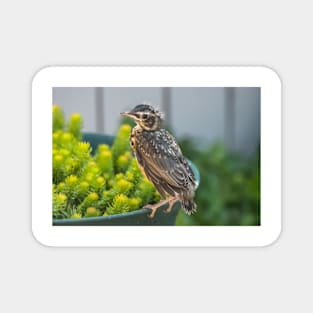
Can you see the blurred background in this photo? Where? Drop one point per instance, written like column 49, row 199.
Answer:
column 218, row 130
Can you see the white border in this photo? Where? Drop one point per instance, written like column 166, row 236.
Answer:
column 164, row 236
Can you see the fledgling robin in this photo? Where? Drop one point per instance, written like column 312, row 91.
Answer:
column 161, row 159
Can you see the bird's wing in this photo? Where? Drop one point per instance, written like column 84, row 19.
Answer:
column 163, row 162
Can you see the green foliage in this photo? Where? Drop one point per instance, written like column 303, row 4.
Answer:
column 145, row 190
column 58, row 118
column 86, row 185
column 104, row 159
column 121, row 145
column 75, row 125
column 123, row 161
column 229, row 190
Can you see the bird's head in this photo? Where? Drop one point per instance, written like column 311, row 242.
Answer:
column 145, row 116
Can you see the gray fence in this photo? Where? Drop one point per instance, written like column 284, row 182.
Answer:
column 208, row 114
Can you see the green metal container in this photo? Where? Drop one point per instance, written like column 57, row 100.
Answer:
column 135, row 218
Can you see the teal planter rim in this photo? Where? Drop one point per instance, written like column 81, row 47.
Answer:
column 102, row 218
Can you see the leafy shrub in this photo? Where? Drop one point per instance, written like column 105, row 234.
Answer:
column 86, row 185
column 229, row 190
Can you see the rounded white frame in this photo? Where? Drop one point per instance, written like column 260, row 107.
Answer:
column 150, row 76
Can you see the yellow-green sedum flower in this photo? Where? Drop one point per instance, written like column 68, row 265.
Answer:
column 120, row 204
column 75, row 124
column 58, row 118
column 76, row 215
column 121, row 143
column 92, row 212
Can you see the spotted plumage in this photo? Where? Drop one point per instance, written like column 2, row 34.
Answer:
column 161, row 159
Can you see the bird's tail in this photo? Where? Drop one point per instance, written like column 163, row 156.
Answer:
column 189, row 206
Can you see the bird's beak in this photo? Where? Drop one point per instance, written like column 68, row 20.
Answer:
column 128, row 114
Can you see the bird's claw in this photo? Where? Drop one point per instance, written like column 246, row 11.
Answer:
column 153, row 209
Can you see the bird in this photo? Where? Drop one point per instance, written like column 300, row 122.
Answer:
column 161, row 160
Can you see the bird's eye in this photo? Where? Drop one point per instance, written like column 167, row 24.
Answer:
column 144, row 116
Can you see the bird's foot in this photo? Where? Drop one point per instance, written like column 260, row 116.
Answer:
column 154, row 207
column 171, row 202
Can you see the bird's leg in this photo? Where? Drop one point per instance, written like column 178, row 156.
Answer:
column 171, row 202
column 154, row 207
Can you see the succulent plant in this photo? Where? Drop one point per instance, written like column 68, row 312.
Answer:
column 86, row 185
